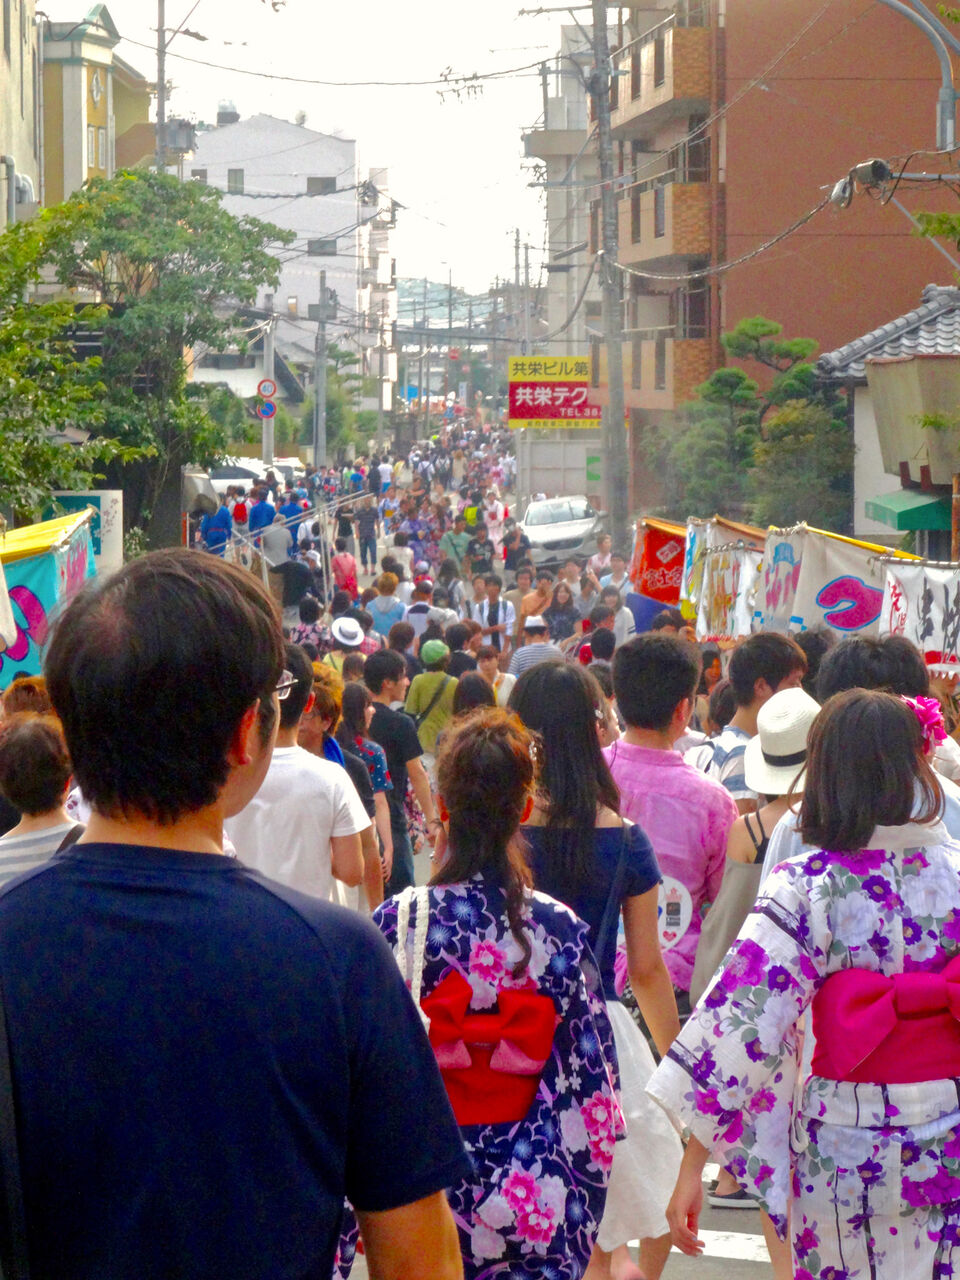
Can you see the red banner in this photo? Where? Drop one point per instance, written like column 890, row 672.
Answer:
column 561, row 401
column 660, row 571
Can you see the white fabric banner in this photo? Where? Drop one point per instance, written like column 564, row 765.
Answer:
column 728, row 598
column 812, row 579
column 923, row 604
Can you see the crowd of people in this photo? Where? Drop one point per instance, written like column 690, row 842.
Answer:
column 450, row 915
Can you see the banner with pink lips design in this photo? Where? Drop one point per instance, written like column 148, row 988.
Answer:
column 811, row 578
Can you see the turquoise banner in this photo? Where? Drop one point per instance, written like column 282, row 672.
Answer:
column 38, row 587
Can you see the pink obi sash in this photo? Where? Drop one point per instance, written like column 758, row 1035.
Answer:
column 873, row 1029
column 491, row 1063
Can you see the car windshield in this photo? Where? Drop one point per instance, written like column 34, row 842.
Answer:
column 558, row 512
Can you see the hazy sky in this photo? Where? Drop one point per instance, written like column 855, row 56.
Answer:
column 455, row 164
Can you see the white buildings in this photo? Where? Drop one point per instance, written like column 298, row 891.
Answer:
column 310, row 183
column 20, row 109
column 560, row 139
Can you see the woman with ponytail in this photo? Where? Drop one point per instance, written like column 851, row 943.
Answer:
column 511, row 999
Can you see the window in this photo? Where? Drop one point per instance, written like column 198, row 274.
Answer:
column 6, row 26
column 292, row 304
column 321, row 186
column 660, row 364
column 235, row 182
column 636, row 363
column 322, row 248
column 91, row 146
column 102, row 148
column 199, row 175
column 636, row 82
column 636, row 222
column 659, row 211
column 659, row 61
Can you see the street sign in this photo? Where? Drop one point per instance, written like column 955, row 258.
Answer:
column 267, row 388
column 551, row 391
column 267, row 409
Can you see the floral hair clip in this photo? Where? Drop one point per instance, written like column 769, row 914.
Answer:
column 930, row 715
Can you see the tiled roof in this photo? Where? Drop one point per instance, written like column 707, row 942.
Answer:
column 933, row 329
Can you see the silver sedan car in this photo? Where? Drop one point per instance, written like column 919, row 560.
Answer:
column 561, row 527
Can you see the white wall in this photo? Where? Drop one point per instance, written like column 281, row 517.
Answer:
column 869, row 477
column 19, row 136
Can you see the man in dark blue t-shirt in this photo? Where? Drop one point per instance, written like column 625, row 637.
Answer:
column 206, row 1063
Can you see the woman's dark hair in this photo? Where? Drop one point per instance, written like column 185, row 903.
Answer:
column 341, row 603
column 151, row 672
column 309, row 609
column 709, row 654
column 400, row 636
column 816, row 644
column 34, row 763
column 432, row 631
column 555, row 606
column 472, row 691
column 448, row 571
column 353, row 710
column 340, row 544
column 400, row 539
column 865, row 768
column 563, row 705
column 484, row 774
column 722, row 705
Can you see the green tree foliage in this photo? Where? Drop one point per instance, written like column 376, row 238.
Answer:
column 777, row 456
column 171, row 266
column 44, row 389
column 803, row 468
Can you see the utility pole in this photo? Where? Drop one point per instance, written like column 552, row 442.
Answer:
column 616, row 462
column 161, row 86
column 426, row 417
column 526, row 300
column 446, row 367
column 268, row 440
column 516, row 287
column 320, row 381
column 380, row 370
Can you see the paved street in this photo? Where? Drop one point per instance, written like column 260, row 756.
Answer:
column 734, row 1246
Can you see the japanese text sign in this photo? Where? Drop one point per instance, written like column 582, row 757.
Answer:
column 551, row 391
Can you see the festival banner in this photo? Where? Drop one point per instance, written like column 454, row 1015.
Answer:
column 550, row 391
column 922, row 602
column 44, row 566
column 657, row 569
column 705, row 535
column 728, row 594
column 812, row 578
column 106, row 526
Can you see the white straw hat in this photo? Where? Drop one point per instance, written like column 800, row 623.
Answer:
column 775, row 757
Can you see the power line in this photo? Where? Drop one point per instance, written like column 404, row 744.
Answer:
column 721, row 267
column 449, row 80
column 576, row 307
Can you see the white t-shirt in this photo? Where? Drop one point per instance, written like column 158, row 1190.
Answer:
column 285, row 830
column 386, row 473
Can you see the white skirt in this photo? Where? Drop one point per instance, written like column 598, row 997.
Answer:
column 647, row 1161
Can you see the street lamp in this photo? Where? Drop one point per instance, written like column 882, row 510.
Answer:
column 937, row 34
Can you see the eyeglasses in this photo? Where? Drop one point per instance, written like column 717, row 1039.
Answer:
column 286, row 683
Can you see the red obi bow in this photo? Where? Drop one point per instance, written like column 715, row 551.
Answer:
column 490, row 1062
column 875, row 1029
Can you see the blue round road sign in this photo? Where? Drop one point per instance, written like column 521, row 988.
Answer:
column 267, row 409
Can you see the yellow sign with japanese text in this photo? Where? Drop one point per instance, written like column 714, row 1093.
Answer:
column 551, row 391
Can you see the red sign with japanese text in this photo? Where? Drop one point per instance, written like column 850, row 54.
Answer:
column 551, row 391
column 661, row 566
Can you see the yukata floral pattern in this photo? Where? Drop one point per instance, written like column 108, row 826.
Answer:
column 870, row 1173
column 533, row 1210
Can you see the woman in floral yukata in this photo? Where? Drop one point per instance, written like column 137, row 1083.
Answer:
column 862, row 1157
column 516, row 1018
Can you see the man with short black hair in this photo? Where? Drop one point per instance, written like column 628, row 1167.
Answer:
column 760, row 666
column 617, row 574
column 496, row 615
column 237, row 1050
column 385, row 675
column 685, row 814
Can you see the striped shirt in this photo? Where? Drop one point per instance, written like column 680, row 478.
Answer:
column 531, row 655
column 24, row 852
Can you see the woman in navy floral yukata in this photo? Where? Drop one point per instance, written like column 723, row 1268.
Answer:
column 511, row 996
column 859, row 1156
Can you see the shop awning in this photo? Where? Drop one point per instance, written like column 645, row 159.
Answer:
column 909, row 509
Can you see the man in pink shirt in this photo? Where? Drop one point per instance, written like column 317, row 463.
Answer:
column 685, row 814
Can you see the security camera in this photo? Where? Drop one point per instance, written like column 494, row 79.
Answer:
column 871, row 173
column 842, row 193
